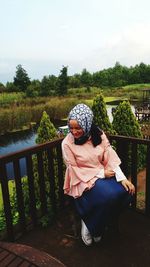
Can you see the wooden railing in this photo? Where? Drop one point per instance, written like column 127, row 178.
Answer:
column 56, row 167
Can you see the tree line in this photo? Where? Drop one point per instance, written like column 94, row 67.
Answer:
column 52, row 85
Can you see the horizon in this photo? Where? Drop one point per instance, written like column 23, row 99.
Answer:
column 73, row 73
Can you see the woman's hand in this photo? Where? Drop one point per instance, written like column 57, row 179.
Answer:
column 128, row 186
column 109, row 173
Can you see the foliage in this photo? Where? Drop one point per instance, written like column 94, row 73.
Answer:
column 13, row 203
column 33, row 89
column 2, row 88
column 46, row 131
column 48, row 85
column 125, row 123
column 14, row 119
column 74, row 81
column 62, row 82
column 21, row 80
column 12, row 98
column 86, row 78
column 11, row 87
column 117, row 76
column 19, row 116
column 100, row 114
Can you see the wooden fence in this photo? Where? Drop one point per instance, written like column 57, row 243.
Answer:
column 56, row 168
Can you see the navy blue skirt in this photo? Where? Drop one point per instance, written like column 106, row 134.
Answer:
column 103, row 202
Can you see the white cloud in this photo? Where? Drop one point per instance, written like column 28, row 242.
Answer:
column 130, row 47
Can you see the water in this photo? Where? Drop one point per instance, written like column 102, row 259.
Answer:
column 17, row 141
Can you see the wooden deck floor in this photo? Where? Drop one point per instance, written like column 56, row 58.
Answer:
column 131, row 248
column 14, row 255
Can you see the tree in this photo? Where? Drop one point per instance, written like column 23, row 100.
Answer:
column 10, row 87
column 33, row 89
column 2, row 88
column 125, row 123
column 21, row 80
column 48, row 85
column 86, row 78
column 74, row 81
column 46, row 131
column 100, row 114
column 62, row 82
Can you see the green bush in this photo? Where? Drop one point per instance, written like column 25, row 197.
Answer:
column 125, row 123
column 100, row 114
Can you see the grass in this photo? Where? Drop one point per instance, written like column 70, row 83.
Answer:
column 11, row 185
column 9, row 98
column 17, row 112
column 137, row 86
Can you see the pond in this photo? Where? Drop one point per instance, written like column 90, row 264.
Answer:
column 16, row 141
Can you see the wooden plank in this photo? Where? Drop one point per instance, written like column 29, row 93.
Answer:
column 32, row 198
column 147, row 197
column 19, row 192
column 6, row 201
column 11, row 258
column 60, row 175
column 134, row 171
column 42, row 183
column 3, row 255
column 50, row 156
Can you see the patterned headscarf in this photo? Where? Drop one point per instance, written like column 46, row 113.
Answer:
column 84, row 116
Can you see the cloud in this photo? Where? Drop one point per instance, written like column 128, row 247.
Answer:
column 130, row 47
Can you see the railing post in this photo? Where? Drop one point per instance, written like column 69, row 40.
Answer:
column 42, row 182
column 60, row 175
column 147, row 193
column 19, row 192
column 32, row 197
column 50, row 155
column 6, row 201
column 134, row 171
column 122, row 151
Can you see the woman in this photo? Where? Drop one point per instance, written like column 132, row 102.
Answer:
column 93, row 176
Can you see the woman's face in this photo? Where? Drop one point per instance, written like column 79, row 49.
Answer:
column 75, row 129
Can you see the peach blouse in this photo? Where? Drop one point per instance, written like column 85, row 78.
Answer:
column 84, row 163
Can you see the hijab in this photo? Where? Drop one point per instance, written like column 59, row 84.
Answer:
column 84, row 116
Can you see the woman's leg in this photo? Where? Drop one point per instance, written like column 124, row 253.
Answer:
column 100, row 204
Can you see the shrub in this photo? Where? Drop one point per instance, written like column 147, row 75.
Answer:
column 100, row 114
column 125, row 123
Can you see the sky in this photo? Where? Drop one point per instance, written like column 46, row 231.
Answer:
column 45, row 35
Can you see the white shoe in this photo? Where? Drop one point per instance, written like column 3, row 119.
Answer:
column 97, row 239
column 85, row 234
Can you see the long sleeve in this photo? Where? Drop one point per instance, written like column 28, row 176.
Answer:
column 111, row 160
column 86, row 163
column 119, row 174
column 82, row 166
column 110, row 157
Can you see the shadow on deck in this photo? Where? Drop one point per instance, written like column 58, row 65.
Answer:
column 129, row 248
